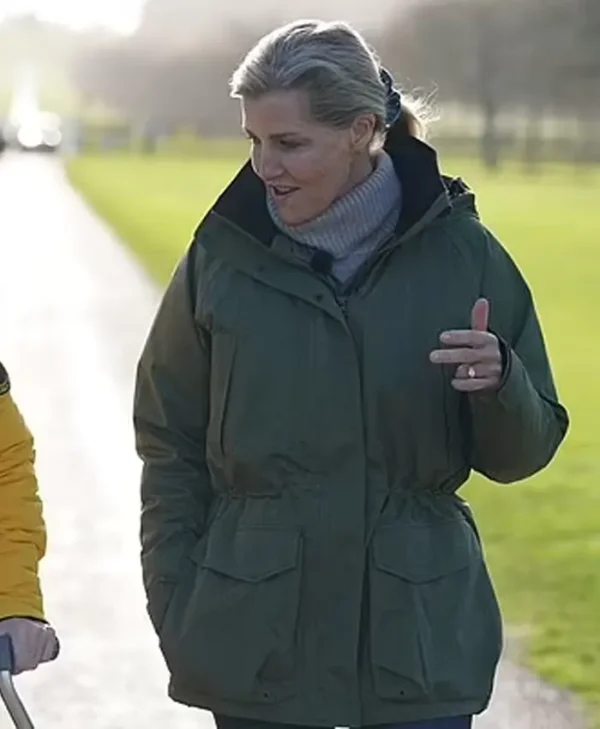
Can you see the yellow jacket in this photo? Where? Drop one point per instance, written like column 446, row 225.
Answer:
column 22, row 528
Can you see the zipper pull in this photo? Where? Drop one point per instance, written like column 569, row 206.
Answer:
column 342, row 302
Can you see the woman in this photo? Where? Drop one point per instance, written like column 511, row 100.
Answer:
column 343, row 342
column 22, row 541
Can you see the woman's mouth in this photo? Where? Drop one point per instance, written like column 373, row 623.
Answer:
column 280, row 192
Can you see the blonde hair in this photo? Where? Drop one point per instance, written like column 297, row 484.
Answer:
column 333, row 63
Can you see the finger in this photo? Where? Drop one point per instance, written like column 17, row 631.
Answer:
column 38, row 649
column 477, row 384
column 480, row 314
column 467, row 338
column 466, row 355
column 34, row 644
column 20, row 645
column 23, row 653
column 56, row 651
column 29, row 642
column 482, row 370
column 50, row 645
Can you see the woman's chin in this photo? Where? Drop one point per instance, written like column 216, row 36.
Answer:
column 293, row 220
column 294, row 217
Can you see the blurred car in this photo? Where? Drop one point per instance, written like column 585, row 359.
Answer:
column 39, row 133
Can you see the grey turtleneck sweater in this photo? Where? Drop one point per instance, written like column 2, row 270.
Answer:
column 355, row 225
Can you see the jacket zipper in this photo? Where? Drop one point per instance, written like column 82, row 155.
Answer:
column 342, row 302
column 343, row 294
column 365, row 271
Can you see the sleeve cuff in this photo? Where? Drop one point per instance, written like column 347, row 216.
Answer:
column 507, row 361
column 514, row 384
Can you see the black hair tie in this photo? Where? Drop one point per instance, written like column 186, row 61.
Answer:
column 393, row 104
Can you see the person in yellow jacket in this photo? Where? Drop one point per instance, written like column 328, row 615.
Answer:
column 22, row 541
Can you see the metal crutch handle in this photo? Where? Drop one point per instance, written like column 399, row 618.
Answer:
column 11, row 699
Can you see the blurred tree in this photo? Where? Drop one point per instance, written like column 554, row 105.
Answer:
column 172, row 23
column 587, row 25
column 165, row 88
column 516, row 62
column 522, row 60
column 460, row 47
column 49, row 50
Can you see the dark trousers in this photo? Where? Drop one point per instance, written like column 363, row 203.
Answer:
column 456, row 722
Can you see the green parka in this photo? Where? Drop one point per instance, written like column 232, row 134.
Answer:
column 305, row 554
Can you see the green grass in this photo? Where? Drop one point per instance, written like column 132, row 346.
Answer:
column 543, row 536
column 154, row 205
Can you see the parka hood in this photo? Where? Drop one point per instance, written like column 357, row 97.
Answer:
column 243, row 201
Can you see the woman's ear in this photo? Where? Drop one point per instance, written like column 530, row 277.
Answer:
column 362, row 132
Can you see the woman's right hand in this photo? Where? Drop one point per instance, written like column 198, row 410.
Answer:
column 33, row 642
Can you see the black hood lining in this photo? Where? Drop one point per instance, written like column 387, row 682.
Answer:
column 243, row 201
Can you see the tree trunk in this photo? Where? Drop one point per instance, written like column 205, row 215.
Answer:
column 533, row 144
column 487, row 83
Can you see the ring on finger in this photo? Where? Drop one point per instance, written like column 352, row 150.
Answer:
column 471, row 373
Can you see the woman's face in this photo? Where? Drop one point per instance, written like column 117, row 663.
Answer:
column 304, row 164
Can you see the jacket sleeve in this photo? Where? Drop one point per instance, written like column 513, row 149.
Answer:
column 170, row 417
column 22, row 528
column 516, row 430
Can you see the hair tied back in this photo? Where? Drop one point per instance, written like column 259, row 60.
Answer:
column 393, row 103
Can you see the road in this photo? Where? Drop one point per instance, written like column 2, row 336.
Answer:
column 74, row 311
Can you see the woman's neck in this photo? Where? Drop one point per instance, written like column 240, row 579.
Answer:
column 356, row 223
column 361, row 169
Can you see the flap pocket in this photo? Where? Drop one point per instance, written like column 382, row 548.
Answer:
column 252, row 554
column 426, row 552
column 238, row 638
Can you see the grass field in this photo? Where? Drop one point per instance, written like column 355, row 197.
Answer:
column 543, row 536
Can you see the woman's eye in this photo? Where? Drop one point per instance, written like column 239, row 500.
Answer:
column 290, row 144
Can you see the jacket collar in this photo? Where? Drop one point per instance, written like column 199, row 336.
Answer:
column 243, row 201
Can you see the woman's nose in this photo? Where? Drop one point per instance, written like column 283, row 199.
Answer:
column 268, row 165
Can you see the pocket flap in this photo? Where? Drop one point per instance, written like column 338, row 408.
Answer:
column 252, row 554
column 426, row 552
